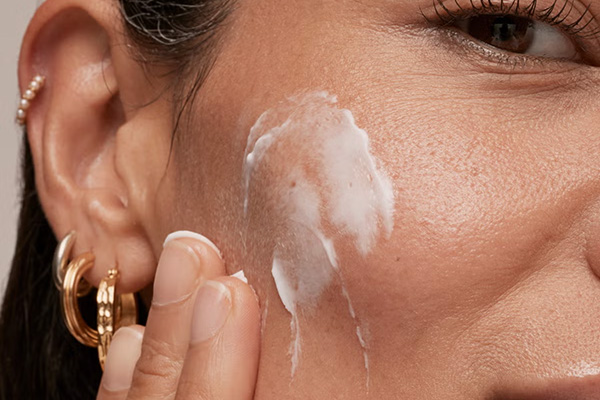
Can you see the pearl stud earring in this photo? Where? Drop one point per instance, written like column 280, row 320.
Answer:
column 34, row 87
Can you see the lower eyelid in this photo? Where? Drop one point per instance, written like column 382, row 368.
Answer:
column 471, row 66
column 532, row 55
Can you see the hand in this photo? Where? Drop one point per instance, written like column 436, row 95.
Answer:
column 202, row 336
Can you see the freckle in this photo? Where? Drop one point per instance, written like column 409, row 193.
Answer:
column 293, row 184
column 397, row 259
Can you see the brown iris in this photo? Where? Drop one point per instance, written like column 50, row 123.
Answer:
column 510, row 33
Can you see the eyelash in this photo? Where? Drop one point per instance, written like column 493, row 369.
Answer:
column 555, row 14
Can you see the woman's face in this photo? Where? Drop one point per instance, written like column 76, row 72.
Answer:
column 489, row 279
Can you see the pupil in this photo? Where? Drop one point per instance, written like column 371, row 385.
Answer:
column 503, row 29
column 507, row 32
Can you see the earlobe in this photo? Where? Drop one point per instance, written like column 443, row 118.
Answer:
column 72, row 129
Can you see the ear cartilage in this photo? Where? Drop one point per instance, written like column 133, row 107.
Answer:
column 33, row 89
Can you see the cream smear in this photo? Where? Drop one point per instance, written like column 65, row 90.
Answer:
column 330, row 185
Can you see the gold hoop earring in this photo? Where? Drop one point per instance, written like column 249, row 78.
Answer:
column 70, row 306
column 113, row 311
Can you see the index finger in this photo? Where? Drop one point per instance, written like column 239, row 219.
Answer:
column 187, row 261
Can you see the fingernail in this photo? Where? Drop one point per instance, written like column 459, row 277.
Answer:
column 177, row 273
column 213, row 304
column 193, row 235
column 241, row 276
column 123, row 355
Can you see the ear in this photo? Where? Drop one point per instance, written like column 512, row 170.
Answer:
column 97, row 159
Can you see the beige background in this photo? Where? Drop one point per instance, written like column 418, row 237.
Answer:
column 14, row 16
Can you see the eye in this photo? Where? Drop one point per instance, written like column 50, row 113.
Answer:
column 519, row 35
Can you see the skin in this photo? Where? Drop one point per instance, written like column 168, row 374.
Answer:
column 490, row 277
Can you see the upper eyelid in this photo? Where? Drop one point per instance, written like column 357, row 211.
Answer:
column 572, row 13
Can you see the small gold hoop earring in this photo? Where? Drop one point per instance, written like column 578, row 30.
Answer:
column 113, row 311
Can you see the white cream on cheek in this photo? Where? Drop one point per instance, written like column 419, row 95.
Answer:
column 334, row 185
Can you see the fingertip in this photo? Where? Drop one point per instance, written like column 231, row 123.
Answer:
column 230, row 353
column 194, row 236
column 241, row 338
column 139, row 329
column 202, row 249
column 244, row 298
column 241, row 276
column 243, row 310
column 122, row 357
column 211, row 311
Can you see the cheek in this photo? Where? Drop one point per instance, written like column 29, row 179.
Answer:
column 310, row 167
column 477, row 214
column 311, row 182
column 310, row 164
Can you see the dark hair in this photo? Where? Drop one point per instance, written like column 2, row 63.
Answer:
column 39, row 359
